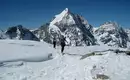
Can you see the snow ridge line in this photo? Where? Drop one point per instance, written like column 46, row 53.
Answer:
column 93, row 53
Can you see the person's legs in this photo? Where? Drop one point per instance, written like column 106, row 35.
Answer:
column 62, row 48
column 54, row 44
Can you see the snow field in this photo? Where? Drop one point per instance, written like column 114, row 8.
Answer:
column 28, row 60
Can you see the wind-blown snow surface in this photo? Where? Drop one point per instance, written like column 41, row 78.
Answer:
column 28, row 60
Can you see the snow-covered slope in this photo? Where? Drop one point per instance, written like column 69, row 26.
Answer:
column 111, row 34
column 20, row 33
column 74, row 27
column 28, row 60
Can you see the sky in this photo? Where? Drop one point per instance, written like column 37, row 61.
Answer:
column 34, row 13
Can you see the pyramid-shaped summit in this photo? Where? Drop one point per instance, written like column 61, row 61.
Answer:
column 73, row 26
column 64, row 17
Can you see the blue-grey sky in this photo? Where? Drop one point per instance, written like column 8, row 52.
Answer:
column 34, row 13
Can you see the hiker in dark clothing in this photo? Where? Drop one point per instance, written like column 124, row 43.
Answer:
column 54, row 42
column 63, row 39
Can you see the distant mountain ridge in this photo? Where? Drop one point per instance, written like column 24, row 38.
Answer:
column 20, row 33
column 75, row 28
column 112, row 34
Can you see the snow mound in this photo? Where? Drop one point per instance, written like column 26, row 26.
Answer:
column 28, row 51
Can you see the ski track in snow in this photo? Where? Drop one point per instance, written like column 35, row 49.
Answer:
column 69, row 66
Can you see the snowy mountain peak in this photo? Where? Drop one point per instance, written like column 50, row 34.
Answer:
column 20, row 33
column 112, row 34
column 19, row 26
column 64, row 14
column 66, row 9
column 73, row 26
column 109, row 26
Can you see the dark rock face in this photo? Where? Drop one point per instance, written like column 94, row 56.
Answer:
column 20, row 33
